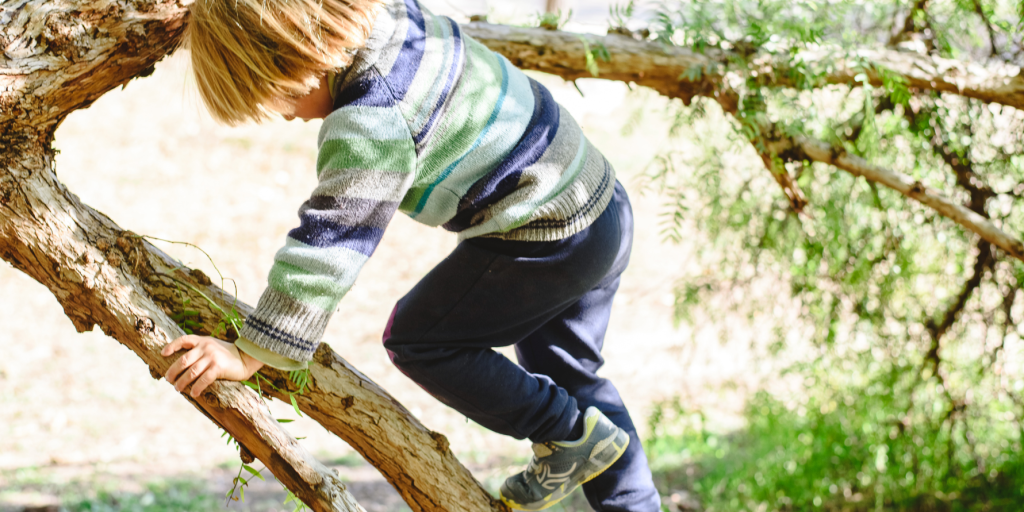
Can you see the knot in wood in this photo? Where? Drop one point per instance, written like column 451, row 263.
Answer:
column 499, row 506
column 244, row 454
column 834, row 153
column 103, row 244
column 200, row 277
column 6, row 191
column 124, row 242
column 115, row 257
column 1018, row 248
column 440, row 441
column 917, row 188
column 347, row 402
column 144, row 325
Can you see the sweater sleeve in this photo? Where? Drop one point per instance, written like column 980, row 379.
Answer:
column 269, row 358
column 365, row 166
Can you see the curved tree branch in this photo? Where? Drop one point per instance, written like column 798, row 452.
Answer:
column 60, row 56
column 665, row 69
column 819, row 151
column 670, row 69
column 50, row 67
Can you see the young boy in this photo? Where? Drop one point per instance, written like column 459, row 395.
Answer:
column 418, row 117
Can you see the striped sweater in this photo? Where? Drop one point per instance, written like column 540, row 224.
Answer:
column 430, row 122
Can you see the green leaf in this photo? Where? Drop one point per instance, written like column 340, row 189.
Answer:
column 295, row 405
column 283, row 420
column 253, row 471
column 251, row 385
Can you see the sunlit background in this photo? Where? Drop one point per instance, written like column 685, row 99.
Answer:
column 771, row 361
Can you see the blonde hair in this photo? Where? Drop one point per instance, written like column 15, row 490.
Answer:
column 248, row 55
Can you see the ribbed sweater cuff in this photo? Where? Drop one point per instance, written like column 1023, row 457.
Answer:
column 286, row 326
column 267, row 357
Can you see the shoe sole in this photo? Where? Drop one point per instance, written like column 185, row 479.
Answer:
column 552, row 502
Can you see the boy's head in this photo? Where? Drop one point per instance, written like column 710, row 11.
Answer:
column 252, row 56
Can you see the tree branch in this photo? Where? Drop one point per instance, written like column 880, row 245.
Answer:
column 62, row 56
column 48, row 234
column 664, row 69
column 963, row 169
column 909, row 27
column 820, row 151
column 670, row 69
column 988, row 25
column 937, row 329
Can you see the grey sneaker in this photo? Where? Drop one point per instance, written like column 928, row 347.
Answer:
column 558, row 468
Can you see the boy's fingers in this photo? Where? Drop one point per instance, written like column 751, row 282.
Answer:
column 193, row 372
column 182, row 364
column 203, row 382
column 185, row 342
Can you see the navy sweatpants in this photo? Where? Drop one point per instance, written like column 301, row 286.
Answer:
column 552, row 300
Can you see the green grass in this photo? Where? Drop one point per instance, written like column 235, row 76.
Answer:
column 101, row 493
column 838, row 451
column 161, row 496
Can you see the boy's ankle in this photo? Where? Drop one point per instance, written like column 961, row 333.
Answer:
column 578, row 429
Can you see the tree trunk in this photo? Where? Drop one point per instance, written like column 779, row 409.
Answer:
column 62, row 56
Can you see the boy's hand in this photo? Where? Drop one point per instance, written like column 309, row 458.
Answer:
column 207, row 360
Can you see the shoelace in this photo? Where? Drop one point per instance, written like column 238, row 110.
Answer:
column 535, row 468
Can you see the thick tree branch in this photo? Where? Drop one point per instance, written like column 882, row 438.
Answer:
column 51, row 66
column 909, row 27
column 62, row 56
column 669, row 69
column 415, row 460
column 48, row 234
column 938, row 328
column 980, row 10
column 664, row 69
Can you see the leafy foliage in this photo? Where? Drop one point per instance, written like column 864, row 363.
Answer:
column 904, row 327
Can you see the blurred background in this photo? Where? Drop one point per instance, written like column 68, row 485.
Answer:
column 772, row 361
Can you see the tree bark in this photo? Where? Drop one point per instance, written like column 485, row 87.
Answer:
column 669, row 69
column 62, row 56
column 666, row 70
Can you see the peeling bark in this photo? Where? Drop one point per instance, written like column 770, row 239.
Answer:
column 46, row 232
column 61, row 56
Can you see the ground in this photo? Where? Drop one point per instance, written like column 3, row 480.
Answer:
column 84, row 425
